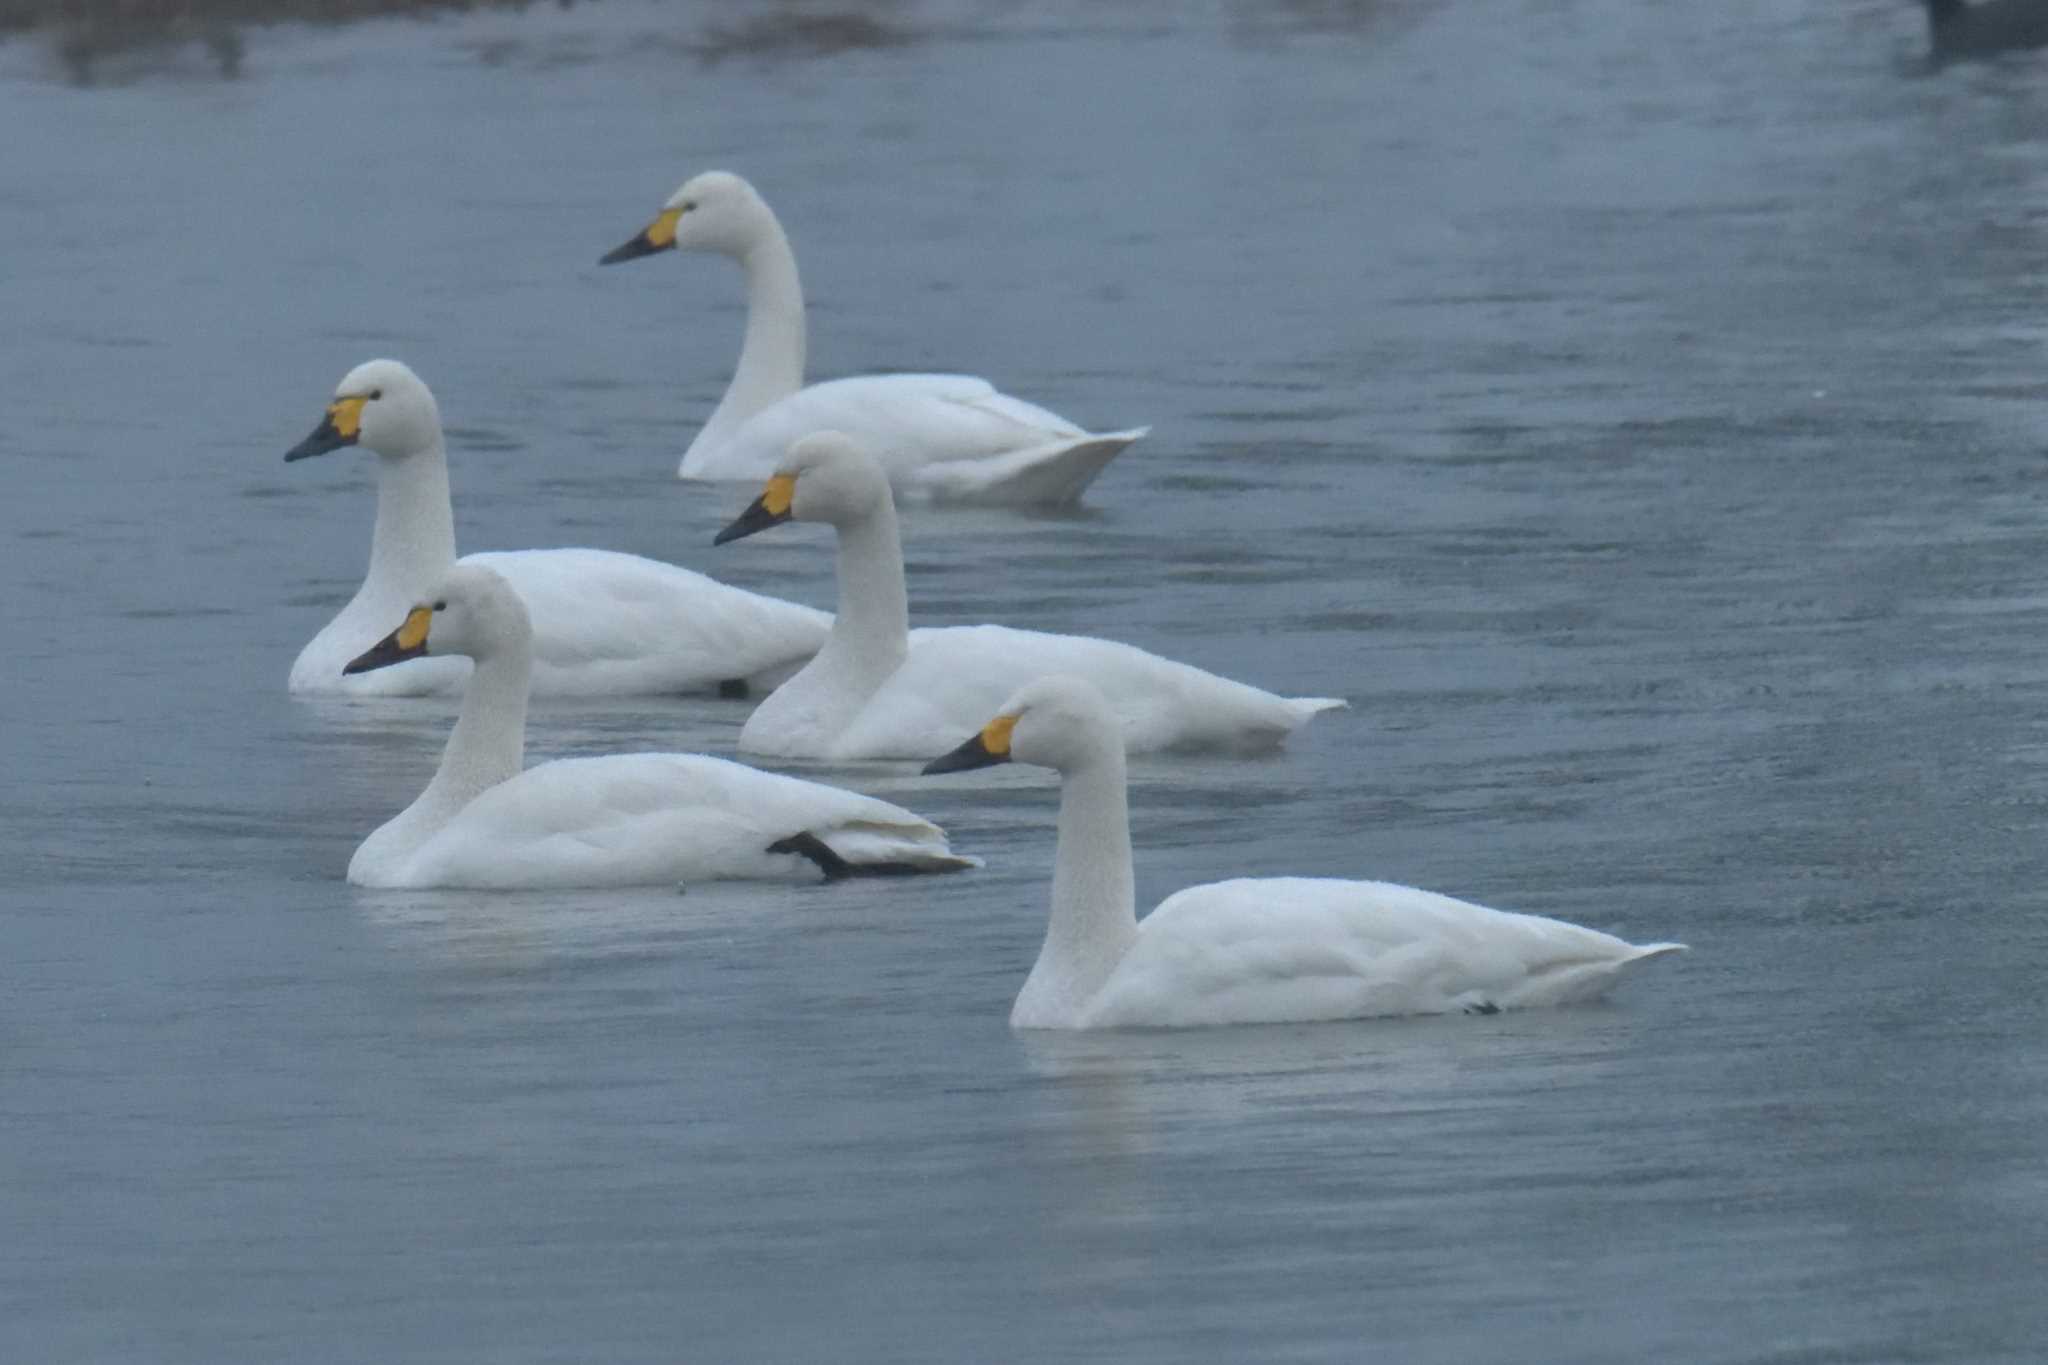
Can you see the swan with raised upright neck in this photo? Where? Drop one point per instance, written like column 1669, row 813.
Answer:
column 946, row 436
column 604, row 623
column 878, row 689
column 1253, row 950
column 486, row 820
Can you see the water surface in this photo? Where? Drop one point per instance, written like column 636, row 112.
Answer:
column 1631, row 407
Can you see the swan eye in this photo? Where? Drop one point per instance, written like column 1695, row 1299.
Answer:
column 375, row 394
column 688, row 205
column 441, row 605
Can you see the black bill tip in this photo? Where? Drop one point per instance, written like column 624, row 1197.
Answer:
column 325, row 437
column 632, row 250
column 973, row 754
column 757, row 517
column 385, row 653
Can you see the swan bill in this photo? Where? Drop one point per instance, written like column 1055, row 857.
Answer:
column 409, row 641
column 772, row 508
column 986, row 749
column 659, row 235
column 342, row 426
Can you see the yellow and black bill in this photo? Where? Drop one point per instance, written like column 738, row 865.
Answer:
column 342, row 425
column 409, row 641
column 990, row 747
column 770, row 509
column 659, row 235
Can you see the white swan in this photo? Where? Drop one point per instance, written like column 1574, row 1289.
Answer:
column 604, row 623
column 951, row 437
column 618, row 820
column 1253, row 950
column 880, row 690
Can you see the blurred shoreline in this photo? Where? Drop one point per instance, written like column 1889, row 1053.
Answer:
column 112, row 41
column 84, row 34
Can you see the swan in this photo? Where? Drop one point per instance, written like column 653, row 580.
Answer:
column 604, row 623
column 949, row 437
column 617, row 820
column 1252, row 950
column 880, row 690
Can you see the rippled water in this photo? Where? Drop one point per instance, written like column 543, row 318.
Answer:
column 1633, row 408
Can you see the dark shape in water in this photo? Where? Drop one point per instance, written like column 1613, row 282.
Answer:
column 85, row 34
column 1958, row 31
column 787, row 34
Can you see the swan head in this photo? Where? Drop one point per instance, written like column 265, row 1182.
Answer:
column 826, row 476
column 471, row 611
column 380, row 404
column 716, row 211
column 1057, row 721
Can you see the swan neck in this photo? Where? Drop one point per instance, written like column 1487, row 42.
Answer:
column 771, row 365
column 871, row 633
column 414, row 540
column 1094, row 897
column 488, row 745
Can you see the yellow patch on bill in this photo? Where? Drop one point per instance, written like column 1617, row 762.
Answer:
column 995, row 736
column 345, row 415
column 662, row 231
column 779, row 494
column 413, row 633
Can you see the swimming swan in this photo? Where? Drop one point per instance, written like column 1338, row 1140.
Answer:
column 1263, row 950
column 617, row 820
column 946, row 436
column 881, row 690
column 604, row 623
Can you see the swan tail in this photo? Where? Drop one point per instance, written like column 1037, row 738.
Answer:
column 1301, row 710
column 1054, row 474
column 876, row 852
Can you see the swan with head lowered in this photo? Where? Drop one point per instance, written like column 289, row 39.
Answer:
column 878, row 689
column 949, row 437
column 1253, row 950
column 604, row 623
column 487, row 820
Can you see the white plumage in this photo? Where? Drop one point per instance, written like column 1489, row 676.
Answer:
column 952, row 437
column 1266, row 950
column 617, row 820
column 880, row 690
column 604, row 623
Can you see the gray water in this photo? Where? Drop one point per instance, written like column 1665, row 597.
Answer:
column 1632, row 406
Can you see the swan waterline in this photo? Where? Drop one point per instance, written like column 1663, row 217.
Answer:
column 879, row 690
column 604, row 623
column 1252, row 950
column 488, row 821
column 948, row 437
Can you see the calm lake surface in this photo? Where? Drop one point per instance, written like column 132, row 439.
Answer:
column 1634, row 407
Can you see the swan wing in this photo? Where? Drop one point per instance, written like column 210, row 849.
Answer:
column 954, row 678
column 1296, row 949
column 616, row 624
column 906, row 421
column 650, row 819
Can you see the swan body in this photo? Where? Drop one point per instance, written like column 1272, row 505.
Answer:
column 1264, row 950
column 619, row 820
column 948, row 437
column 604, row 623
column 880, row 690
